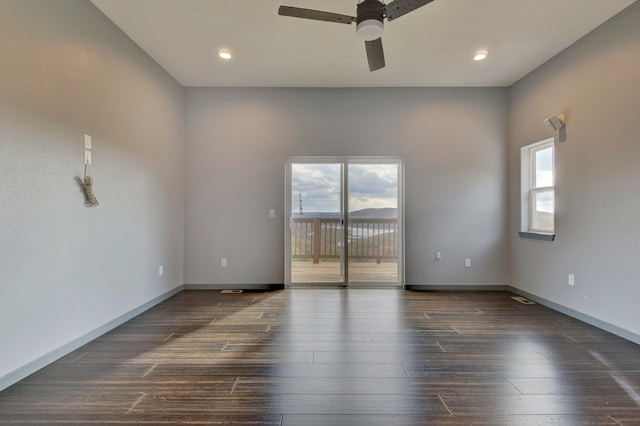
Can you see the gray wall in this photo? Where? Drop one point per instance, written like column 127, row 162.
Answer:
column 595, row 83
column 453, row 141
column 65, row 269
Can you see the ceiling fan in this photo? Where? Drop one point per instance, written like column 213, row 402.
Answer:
column 369, row 22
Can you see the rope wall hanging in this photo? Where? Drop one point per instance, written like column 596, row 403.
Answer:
column 86, row 184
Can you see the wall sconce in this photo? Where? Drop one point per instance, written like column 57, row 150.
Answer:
column 554, row 123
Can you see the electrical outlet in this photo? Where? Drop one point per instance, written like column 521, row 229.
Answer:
column 438, row 256
column 223, row 262
column 272, row 213
column 160, row 270
column 572, row 280
column 467, row 263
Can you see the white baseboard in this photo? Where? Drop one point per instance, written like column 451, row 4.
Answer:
column 35, row 365
column 618, row 331
column 26, row 370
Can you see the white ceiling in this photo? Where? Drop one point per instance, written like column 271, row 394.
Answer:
column 431, row 46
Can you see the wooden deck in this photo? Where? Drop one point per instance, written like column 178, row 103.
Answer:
column 329, row 272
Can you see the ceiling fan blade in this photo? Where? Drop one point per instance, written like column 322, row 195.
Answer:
column 375, row 54
column 397, row 8
column 318, row 15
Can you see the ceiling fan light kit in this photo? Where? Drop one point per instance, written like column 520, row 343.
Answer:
column 370, row 29
column 369, row 22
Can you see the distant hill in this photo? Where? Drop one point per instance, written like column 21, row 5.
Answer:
column 383, row 213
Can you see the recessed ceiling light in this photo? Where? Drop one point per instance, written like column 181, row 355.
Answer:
column 224, row 54
column 480, row 55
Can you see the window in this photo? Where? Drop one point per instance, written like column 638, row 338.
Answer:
column 538, row 192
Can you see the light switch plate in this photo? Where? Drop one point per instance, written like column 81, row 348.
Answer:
column 87, row 142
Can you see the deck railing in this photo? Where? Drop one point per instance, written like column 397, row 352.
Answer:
column 321, row 238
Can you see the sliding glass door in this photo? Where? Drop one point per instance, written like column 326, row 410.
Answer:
column 344, row 221
column 373, row 222
column 316, row 223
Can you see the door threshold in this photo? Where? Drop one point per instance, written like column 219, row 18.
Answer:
column 315, row 285
column 351, row 285
column 374, row 285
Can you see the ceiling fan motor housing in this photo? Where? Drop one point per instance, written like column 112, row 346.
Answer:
column 370, row 15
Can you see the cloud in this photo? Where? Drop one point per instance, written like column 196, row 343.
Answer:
column 319, row 185
column 370, row 186
column 373, row 186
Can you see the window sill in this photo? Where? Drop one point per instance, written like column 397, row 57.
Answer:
column 537, row 236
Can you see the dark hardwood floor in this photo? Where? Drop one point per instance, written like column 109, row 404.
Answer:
column 339, row 357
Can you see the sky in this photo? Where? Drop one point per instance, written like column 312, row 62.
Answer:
column 544, row 167
column 370, row 186
column 544, row 177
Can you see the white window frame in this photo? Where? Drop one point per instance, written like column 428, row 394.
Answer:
column 528, row 187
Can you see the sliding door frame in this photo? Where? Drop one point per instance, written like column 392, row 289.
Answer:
column 344, row 161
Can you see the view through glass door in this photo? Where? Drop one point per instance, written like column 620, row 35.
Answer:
column 344, row 221
column 316, row 223
column 373, row 225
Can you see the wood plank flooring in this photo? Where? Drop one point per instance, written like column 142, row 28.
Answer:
column 339, row 357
